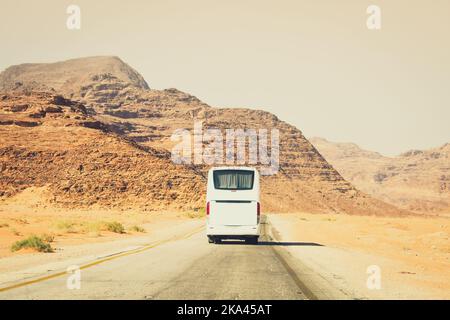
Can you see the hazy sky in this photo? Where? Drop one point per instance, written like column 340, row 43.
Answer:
column 313, row 63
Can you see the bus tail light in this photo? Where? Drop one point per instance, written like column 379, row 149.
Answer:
column 258, row 210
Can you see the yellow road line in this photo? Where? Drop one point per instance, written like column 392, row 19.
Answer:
column 99, row 261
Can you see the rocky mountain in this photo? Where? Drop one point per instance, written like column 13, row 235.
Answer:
column 48, row 141
column 415, row 180
column 101, row 79
column 108, row 142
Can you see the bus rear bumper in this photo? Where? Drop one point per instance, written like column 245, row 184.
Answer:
column 225, row 231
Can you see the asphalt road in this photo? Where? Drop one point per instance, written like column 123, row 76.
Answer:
column 184, row 268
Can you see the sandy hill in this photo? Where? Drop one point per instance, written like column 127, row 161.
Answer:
column 124, row 117
column 415, row 180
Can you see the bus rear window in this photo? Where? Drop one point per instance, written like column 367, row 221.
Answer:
column 233, row 179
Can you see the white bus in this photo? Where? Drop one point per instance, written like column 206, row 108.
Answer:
column 232, row 204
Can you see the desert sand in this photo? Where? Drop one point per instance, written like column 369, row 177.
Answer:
column 26, row 215
column 413, row 253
